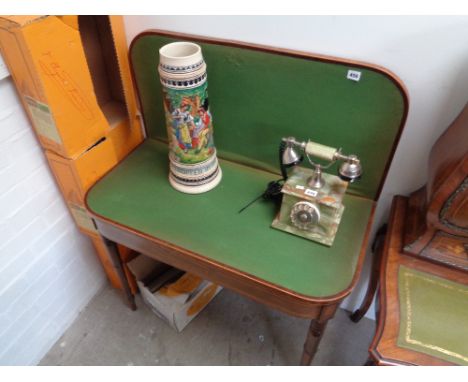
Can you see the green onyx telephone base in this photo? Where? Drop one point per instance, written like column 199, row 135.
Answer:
column 312, row 201
column 314, row 214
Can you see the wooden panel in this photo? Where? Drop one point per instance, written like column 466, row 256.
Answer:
column 448, row 249
column 454, row 214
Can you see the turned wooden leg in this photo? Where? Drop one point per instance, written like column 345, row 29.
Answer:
column 314, row 335
column 315, row 332
column 114, row 253
column 377, row 249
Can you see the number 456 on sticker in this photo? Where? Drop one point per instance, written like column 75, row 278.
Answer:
column 354, row 75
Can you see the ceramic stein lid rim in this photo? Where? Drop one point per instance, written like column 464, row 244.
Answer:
column 180, row 53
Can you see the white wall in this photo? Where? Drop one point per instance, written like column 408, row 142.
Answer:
column 430, row 55
column 48, row 270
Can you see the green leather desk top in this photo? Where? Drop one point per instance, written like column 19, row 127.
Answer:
column 137, row 194
column 258, row 95
column 433, row 315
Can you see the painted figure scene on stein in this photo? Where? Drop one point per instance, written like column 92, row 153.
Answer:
column 189, row 123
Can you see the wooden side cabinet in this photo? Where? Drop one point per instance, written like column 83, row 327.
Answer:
column 436, row 224
column 422, row 306
column 421, row 267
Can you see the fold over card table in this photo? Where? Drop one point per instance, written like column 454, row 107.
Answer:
column 257, row 95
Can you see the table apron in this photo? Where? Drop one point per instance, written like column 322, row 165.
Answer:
column 262, row 292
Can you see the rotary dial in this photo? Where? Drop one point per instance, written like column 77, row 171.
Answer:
column 304, row 215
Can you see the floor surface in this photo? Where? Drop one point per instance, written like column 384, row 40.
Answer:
column 231, row 330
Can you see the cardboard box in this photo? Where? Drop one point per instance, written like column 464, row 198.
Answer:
column 73, row 77
column 75, row 176
column 110, row 269
column 174, row 296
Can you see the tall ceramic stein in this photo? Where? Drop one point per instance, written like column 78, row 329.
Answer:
column 192, row 155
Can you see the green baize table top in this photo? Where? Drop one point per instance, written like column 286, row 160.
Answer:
column 137, row 194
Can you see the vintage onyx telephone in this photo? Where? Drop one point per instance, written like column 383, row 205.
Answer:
column 312, row 200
